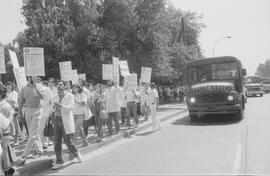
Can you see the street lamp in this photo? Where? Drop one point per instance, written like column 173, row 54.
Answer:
column 227, row 37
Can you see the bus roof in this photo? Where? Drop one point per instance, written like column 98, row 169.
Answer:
column 213, row 60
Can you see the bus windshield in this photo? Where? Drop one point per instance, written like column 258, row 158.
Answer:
column 220, row 71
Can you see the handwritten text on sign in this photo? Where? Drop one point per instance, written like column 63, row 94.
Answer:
column 34, row 61
column 2, row 60
column 107, row 71
column 146, row 74
column 132, row 81
column 124, row 70
column 66, row 71
column 75, row 76
column 82, row 76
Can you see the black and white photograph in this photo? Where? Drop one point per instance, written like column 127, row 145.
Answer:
column 135, row 87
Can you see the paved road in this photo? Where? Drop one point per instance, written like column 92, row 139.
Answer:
column 213, row 145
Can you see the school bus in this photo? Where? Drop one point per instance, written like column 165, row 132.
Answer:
column 215, row 86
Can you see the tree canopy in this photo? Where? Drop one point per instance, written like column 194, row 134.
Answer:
column 263, row 69
column 149, row 33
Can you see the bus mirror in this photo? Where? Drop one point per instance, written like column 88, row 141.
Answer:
column 244, row 72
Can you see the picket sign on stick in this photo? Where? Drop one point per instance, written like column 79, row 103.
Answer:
column 107, row 71
column 2, row 61
column 75, row 76
column 146, row 74
column 20, row 76
column 82, row 76
column 116, row 77
column 132, row 81
column 66, row 72
column 124, row 70
column 14, row 59
column 34, row 61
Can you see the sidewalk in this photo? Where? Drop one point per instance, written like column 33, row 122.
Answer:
column 35, row 166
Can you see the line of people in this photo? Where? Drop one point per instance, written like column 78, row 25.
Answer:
column 71, row 109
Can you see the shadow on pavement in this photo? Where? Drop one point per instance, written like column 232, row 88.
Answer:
column 207, row 120
column 144, row 133
column 168, row 109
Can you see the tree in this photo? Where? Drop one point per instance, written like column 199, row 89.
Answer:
column 149, row 33
column 263, row 70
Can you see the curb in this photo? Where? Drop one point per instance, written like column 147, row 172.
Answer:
column 47, row 163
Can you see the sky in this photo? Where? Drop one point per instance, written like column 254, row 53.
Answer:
column 246, row 21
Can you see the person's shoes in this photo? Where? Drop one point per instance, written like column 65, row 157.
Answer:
column 45, row 147
column 57, row 166
column 84, row 144
column 37, row 155
column 50, row 143
column 22, row 161
column 11, row 171
column 77, row 159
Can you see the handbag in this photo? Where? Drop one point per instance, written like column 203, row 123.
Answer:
column 87, row 112
column 48, row 130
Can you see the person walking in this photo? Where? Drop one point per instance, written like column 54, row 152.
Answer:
column 153, row 107
column 12, row 99
column 6, row 118
column 46, row 113
column 123, row 106
column 98, row 99
column 31, row 98
column 145, row 99
column 113, row 106
column 79, row 113
column 64, row 126
column 130, row 96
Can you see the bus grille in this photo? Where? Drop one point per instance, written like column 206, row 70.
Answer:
column 211, row 98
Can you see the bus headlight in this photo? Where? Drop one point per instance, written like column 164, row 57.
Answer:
column 192, row 100
column 230, row 98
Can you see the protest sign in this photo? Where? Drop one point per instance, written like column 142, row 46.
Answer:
column 82, row 76
column 146, row 75
column 14, row 59
column 107, row 71
column 34, row 61
column 2, row 61
column 116, row 77
column 75, row 77
column 124, row 70
column 66, row 71
column 20, row 76
column 132, row 81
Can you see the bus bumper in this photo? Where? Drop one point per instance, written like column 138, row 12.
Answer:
column 201, row 110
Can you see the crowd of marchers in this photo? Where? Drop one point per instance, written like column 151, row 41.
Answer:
column 45, row 113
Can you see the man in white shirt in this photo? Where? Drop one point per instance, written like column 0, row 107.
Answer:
column 153, row 106
column 113, row 106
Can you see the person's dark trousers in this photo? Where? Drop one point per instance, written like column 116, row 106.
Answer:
column 98, row 124
column 22, row 123
column 139, row 112
column 88, row 123
column 123, row 115
column 59, row 133
column 113, row 116
column 131, row 109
